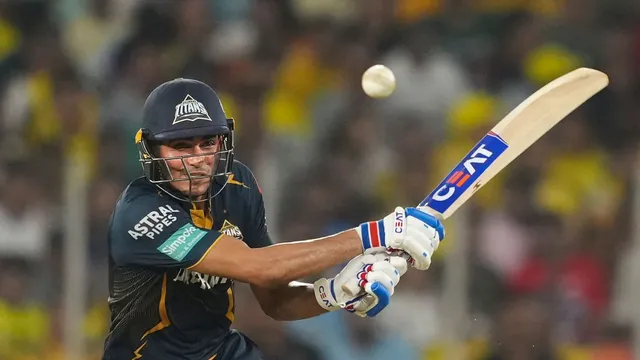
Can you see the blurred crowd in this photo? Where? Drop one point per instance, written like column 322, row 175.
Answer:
column 551, row 239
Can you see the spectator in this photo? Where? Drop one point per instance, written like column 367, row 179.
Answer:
column 430, row 80
column 25, row 224
column 91, row 38
column 24, row 329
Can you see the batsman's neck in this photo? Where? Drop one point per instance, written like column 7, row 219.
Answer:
column 200, row 205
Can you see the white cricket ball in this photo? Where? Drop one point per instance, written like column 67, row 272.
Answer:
column 378, row 81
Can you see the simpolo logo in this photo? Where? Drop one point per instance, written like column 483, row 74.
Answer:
column 182, row 239
column 181, row 242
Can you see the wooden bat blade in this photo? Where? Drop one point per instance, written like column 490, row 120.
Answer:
column 516, row 132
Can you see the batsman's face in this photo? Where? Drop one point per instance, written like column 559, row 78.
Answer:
column 191, row 162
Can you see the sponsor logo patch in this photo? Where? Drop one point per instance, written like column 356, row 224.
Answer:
column 193, row 277
column 181, row 242
column 154, row 222
column 465, row 174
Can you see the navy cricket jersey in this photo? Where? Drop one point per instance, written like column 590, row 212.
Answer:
column 160, row 309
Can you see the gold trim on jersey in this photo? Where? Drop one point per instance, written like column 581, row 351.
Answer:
column 230, row 310
column 162, row 309
column 206, row 252
column 164, row 318
column 206, row 222
column 201, row 220
column 233, row 181
column 137, row 354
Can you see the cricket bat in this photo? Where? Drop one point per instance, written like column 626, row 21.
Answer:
column 515, row 133
column 522, row 127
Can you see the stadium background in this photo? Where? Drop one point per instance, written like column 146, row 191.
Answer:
column 542, row 264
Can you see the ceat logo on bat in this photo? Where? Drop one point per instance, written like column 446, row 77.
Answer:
column 474, row 164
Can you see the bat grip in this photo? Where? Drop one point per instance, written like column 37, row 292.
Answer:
column 352, row 289
column 430, row 211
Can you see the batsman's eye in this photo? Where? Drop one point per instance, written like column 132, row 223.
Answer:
column 180, row 145
column 209, row 143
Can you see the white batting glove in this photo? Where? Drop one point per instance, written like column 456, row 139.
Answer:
column 410, row 230
column 364, row 286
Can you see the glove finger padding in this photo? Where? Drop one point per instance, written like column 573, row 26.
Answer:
column 420, row 242
column 360, row 265
column 377, row 297
column 386, row 268
column 382, row 278
column 400, row 259
column 361, row 261
column 420, row 258
column 395, row 266
column 354, row 285
column 399, row 263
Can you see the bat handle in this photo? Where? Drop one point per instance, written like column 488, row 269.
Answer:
column 352, row 289
column 430, row 211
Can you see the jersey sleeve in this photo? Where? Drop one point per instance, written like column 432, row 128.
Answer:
column 258, row 235
column 153, row 232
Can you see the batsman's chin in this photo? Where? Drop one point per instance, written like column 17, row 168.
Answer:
column 195, row 190
column 199, row 191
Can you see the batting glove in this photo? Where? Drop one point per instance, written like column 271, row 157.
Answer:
column 409, row 230
column 364, row 286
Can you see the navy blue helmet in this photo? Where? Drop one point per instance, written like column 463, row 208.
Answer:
column 184, row 109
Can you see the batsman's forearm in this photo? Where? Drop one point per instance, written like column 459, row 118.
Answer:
column 296, row 301
column 287, row 262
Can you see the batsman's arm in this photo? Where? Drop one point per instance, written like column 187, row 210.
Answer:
column 295, row 301
column 284, row 302
column 259, row 262
column 280, row 263
column 180, row 244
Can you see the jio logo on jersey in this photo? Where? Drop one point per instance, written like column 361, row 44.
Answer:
column 466, row 172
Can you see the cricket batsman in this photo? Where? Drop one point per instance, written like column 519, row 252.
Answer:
column 182, row 234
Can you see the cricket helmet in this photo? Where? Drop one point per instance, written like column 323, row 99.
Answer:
column 183, row 109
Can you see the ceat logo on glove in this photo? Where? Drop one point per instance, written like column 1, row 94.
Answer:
column 322, row 291
column 399, row 224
